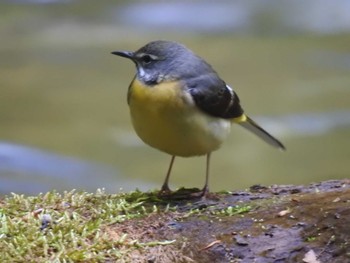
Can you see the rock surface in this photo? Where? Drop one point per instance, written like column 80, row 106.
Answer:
column 265, row 224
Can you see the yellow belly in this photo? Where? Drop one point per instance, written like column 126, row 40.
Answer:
column 165, row 118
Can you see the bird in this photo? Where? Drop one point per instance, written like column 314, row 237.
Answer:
column 179, row 104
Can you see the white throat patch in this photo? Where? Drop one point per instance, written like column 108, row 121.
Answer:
column 141, row 72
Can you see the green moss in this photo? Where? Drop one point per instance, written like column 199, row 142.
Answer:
column 310, row 239
column 69, row 226
column 234, row 210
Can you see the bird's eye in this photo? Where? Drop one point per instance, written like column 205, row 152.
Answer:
column 146, row 59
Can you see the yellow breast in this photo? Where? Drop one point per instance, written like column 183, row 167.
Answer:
column 165, row 117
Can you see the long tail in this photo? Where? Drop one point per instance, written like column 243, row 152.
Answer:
column 252, row 126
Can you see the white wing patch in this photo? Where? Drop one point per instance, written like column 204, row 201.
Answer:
column 230, row 89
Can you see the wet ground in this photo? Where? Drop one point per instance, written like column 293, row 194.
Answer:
column 275, row 224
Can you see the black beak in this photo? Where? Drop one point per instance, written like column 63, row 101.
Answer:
column 125, row 54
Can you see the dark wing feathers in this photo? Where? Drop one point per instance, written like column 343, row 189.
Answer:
column 214, row 97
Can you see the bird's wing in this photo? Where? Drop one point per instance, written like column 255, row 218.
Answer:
column 214, row 97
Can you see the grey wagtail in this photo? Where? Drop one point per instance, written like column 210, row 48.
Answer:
column 179, row 104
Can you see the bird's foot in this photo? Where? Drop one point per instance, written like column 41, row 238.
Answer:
column 165, row 191
column 183, row 193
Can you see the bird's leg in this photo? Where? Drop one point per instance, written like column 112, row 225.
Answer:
column 205, row 189
column 165, row 187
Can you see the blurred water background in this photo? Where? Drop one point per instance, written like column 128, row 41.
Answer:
column 64, row 120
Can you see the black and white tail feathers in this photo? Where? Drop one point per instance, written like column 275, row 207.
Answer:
column 253, row 127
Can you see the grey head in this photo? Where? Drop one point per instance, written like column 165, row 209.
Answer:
column 166, row 60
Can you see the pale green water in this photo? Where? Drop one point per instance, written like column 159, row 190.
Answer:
column 61, row 90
